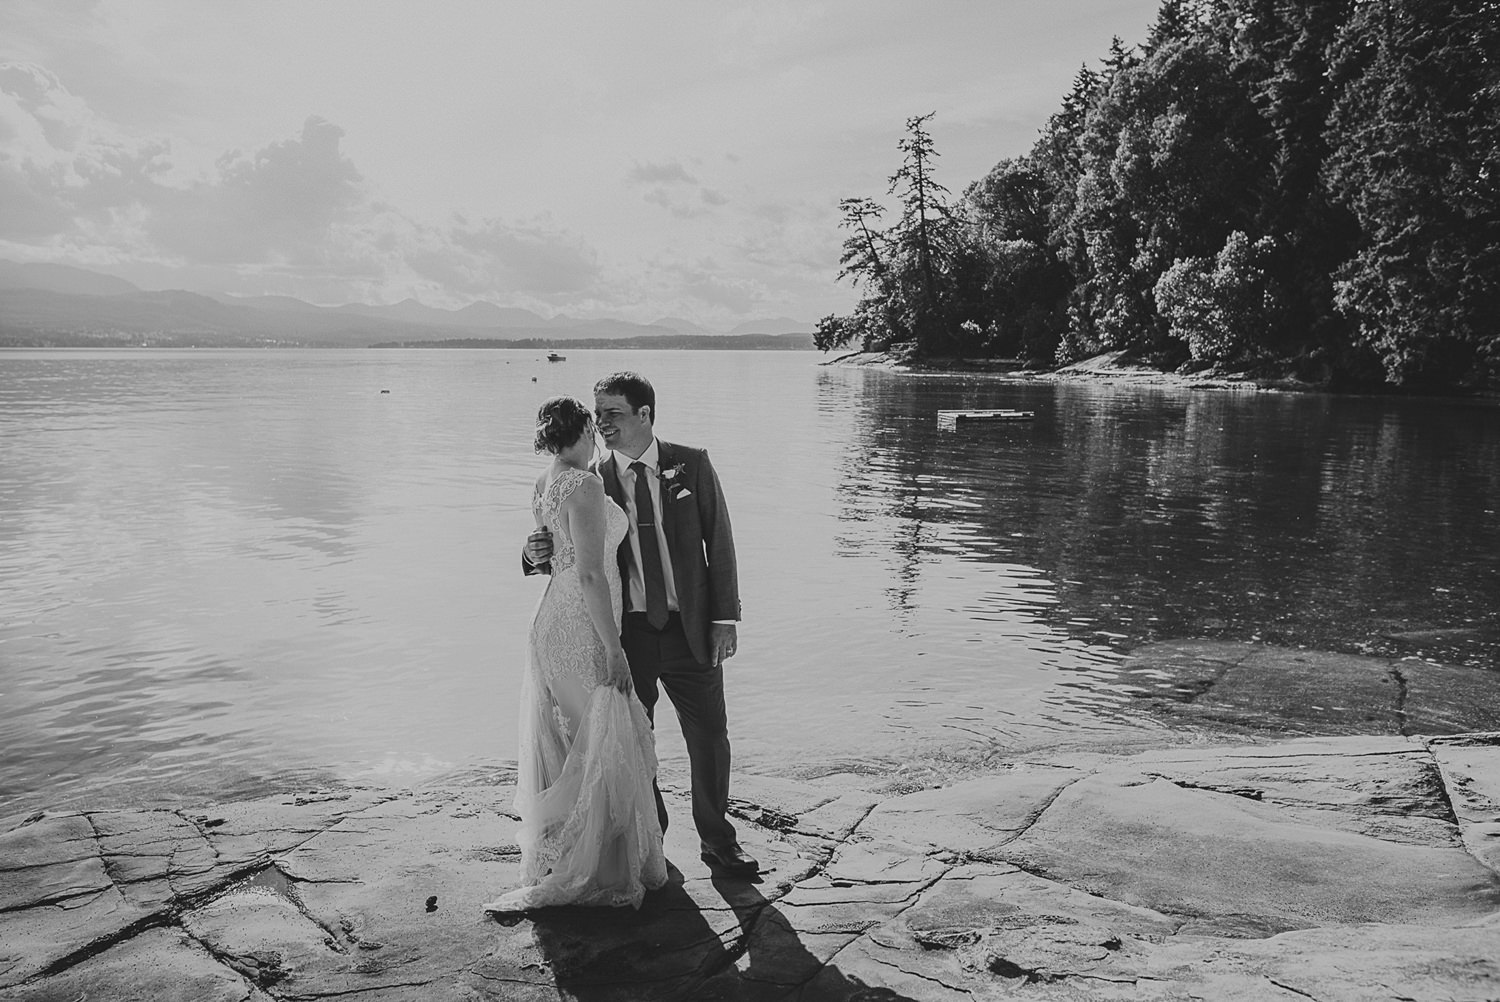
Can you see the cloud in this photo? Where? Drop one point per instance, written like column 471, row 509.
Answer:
column 672, row 188
column 296, row 212
column 63, row 173
column 282, row 203
column 495, row 258
column 679, row 204
column 706, row 281
column 667, row 173
column 41, row 119
column 27, row 213
column 792, row 242
column 735, row 295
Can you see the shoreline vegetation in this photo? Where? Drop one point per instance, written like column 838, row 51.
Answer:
column 1109, row 367
column 1259, row 187
column 1128, row 368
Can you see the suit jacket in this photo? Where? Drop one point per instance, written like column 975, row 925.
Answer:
column 700, row 541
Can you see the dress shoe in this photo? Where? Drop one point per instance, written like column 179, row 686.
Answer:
column 732, row 860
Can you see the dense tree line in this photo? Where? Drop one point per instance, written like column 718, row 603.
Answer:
column 1277, row 184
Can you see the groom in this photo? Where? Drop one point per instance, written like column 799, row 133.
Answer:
column 682, row 602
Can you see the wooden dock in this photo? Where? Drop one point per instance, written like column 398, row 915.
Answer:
column 950, row 420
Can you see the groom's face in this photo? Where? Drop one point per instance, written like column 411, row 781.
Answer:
column 624, row 428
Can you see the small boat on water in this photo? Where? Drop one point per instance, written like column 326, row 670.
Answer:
column 553, row 356
column 950, row 420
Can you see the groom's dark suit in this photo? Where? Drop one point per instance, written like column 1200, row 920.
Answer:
column 699, row 539
column 700, row 547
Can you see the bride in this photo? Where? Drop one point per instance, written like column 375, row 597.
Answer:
column 589, row 831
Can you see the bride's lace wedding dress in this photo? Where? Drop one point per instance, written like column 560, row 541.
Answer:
column 589, row 831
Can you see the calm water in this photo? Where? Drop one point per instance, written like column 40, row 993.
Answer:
column 222, row 566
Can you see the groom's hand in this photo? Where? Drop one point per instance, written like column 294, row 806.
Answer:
column 539, row 547
column 725, row 641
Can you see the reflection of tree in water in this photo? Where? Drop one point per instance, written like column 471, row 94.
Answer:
column 675, row 948
column 894, row 484
column 1294, row 519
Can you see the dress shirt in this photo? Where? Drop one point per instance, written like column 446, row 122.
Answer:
column 637, row 589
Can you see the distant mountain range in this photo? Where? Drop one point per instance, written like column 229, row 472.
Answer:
column 52, row 305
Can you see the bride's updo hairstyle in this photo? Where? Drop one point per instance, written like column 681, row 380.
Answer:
column 560, row 422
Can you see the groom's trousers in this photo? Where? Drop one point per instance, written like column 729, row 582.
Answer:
column 661, row 659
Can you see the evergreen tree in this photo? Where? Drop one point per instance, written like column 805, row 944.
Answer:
column 908, row 271
column 1279, row 52
column 1175, row 21
column 924, row 241
column 1058, row 154
column 1121, row 57
column 1415, row 155
column 863, row 259
column 863, row 262
column 1173, row 155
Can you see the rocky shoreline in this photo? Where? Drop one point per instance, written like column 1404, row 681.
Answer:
column 1108, row 368
column 1338, row 841
column 1123, row 368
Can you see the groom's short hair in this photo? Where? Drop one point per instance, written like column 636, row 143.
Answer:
column 634, row 387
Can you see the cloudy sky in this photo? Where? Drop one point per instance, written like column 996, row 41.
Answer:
column 636, row 159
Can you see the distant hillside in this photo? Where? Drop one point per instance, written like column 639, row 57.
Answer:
column 45, row 305
column 61, row 278
column 733, row 342
column 682, row 326
column 42, row 318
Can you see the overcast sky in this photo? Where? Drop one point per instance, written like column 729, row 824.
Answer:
column 631, row 158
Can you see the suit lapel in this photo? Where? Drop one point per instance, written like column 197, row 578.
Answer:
column 665, row 456
column 611, row 479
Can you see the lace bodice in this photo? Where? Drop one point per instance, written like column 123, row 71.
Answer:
column 546, row 505
column 562, row 628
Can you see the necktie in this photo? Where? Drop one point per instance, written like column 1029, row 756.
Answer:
column 645, row 523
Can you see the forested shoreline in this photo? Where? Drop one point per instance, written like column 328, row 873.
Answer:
column 1297, row 189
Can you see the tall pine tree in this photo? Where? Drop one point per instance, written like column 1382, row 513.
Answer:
column 1414, row 141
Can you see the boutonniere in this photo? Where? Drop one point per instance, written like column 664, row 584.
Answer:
column 669, row 482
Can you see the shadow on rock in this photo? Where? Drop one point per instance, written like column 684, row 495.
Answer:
column 781, row 963
column 708, row 941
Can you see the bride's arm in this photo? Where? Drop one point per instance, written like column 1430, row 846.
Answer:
column 584, row 511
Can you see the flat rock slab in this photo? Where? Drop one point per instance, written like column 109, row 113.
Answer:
column 1239, row 867
column 159, row 965
column 1393, row 790
column 1471, row 767
column 977, row 814
column 1325, row 867
column 1277, row 690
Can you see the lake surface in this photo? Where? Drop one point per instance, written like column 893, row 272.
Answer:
column 222, row 568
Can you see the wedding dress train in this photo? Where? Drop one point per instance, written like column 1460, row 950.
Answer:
column 589, row 831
